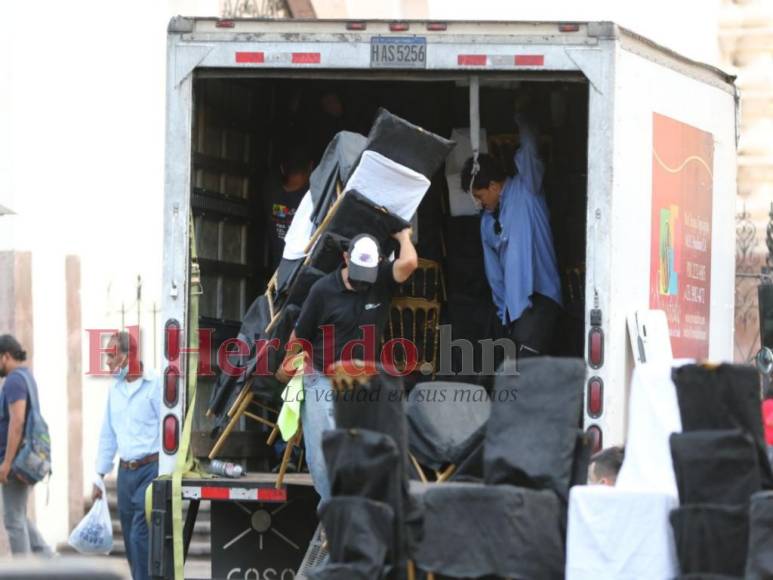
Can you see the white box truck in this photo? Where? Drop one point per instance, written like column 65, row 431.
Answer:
column 640, row 151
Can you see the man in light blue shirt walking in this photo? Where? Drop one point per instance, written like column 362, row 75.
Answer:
column 518, row 244
column 131, row 428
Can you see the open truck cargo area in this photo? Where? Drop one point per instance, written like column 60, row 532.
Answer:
column 602, row 100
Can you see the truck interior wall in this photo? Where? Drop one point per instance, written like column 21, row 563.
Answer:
column 241, row 123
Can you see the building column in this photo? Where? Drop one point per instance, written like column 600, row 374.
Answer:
column 16, row 319
column 74, row 391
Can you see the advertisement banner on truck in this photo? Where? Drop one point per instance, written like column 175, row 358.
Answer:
column 680, row 266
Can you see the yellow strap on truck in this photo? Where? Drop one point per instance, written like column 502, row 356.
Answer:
column 187, row 465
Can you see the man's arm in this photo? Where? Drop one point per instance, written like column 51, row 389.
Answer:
column 17, row 411
column 285, row 371
column 108, row 445
column 527, row 161
column 408, row 261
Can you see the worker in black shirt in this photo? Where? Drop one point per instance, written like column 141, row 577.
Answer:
column 343, row 319
column 284, row 192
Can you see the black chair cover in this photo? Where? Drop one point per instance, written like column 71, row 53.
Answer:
column 378, row 405
column 303, row 282
column 446, row 420
column 408, row 144
column 285, row 274
column 711, row 539
column 715, row 467
column 360, row 535
column 253, row 326
column 759, row 563
column 340, row 157
column 356, row 214
column 327, row 254
column 532, row 432
column 726, row 397
column 473, row 530
column 367, row 464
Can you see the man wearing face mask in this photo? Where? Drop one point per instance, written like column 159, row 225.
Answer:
column 518, row 244
column 343, row 318
column 131, row 428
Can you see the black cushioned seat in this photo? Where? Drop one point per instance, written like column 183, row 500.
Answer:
column 716, row 467
column 531, row 437
column 473, row 530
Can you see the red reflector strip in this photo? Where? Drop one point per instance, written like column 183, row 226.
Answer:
column 215, row 493
column 472, row 60
column 596, row 437
column 595, row 397
column 307, row 58
column 529, row 60
column 250, row 57
column 264, row 494
column 170, row 438
column 272, row 494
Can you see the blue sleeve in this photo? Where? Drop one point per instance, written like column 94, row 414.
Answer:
column 108, row 444
column 494, row 272
column 15, row 387
column 527, row 161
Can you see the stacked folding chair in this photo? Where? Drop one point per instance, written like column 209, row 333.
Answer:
column 720, row 463
column 447, row 425
column 371, row 186
column 512, row 524
column 370, row 520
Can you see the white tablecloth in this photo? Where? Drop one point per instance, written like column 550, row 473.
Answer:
column 615, row 534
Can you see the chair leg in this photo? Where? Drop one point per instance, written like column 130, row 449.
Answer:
column 239, row 400
column 295, row 440
column 272, row 437
column 411, row 570
column 418, row 469
column 446, row 474
column 230, row 427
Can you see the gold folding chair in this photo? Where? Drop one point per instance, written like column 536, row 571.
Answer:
column 426, row 336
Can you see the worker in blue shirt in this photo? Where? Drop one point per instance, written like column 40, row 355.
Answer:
column 131, row 428
column 517, row 243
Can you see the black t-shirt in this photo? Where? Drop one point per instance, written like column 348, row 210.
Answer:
column 284, row 204
column 330, row 303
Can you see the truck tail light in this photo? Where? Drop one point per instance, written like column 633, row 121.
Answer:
column 568, row 27
column 356, row 26
column 172, row 339
column 595, row 403
column 437, row 26
column 171, row 385
column 595, row 340
column 399, row 26
column 225, row 24
column 594, row 431
column 171, row 434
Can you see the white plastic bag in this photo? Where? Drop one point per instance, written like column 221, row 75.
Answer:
column 94, row 533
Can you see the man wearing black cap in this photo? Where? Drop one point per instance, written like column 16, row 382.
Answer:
column 343, row 319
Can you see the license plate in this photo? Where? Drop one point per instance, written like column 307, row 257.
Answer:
column 398, row 52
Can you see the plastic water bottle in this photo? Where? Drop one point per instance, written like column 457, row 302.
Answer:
column 225, row 468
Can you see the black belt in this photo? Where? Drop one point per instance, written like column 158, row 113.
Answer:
column 137, row 463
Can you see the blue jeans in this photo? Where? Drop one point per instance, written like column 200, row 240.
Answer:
column 131, row 509
column 316, row 418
